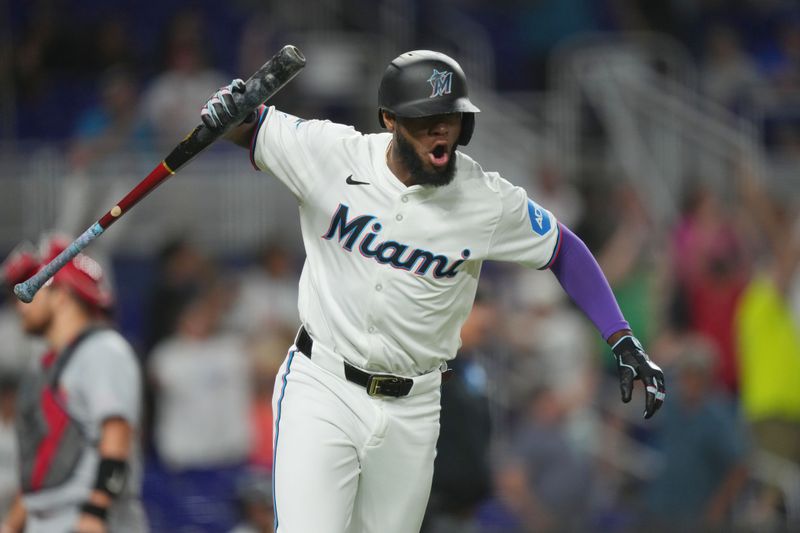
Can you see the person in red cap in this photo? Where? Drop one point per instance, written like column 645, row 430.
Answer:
column 78, row 410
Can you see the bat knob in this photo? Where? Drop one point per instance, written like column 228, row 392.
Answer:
column 24, row 292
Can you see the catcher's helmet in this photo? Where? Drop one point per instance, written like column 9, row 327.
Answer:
column 423, row 83
column 82, row 275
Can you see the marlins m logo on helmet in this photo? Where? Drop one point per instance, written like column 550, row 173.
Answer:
column 441, row 82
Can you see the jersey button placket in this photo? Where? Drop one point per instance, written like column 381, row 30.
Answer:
column 375, row 318
column 404, row 199
column 377, row 315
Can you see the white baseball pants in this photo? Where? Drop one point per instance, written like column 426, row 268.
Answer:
column 346, row 462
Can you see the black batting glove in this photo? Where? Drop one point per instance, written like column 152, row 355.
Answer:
column 634, row 364
column 220, row 110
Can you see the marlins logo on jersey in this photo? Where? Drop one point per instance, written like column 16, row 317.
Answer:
column 441, row 82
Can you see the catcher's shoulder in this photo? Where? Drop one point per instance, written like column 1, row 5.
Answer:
column 112, row 340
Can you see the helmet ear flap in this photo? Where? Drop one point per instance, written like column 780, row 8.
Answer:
column 381, row 111
column 467, row 127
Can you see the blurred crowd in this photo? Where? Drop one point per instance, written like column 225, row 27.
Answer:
column 534, row 437
column 120, row 67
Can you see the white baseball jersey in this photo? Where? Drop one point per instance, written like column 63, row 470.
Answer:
column 391, row 271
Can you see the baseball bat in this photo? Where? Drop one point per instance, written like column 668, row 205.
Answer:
column 262, row 85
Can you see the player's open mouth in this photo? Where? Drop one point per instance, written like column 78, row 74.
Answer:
column 439, row 156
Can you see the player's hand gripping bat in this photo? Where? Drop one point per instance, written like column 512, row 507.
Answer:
column 263, row 84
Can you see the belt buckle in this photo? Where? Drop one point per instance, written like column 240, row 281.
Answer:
column 375, row 380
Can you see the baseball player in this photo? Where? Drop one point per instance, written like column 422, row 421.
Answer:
column 78, row 408
column 396, row 226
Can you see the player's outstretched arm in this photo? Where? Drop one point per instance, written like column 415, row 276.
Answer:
column 581, row 277
column 221, row 109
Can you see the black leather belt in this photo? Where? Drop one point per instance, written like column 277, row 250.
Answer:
column 375, row 384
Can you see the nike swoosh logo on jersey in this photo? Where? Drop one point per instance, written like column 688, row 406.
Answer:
column 351, row 181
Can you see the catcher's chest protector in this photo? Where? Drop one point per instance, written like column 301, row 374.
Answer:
column 50, row 440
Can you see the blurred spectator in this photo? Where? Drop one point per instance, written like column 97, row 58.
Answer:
column 9, row 484
column 50, row 43
column 553, row 189
column 256, row 38
column 543, row 480
column 784, row 64
column 113, row 127
column 201, row 431
column 255, row 496
column 642, row 15
column 768, row 329
column 778, row 102
column 522, row 34
column 727, row 70
column 32, row 53
column 113, row 45
column 553, row 342
column 172, row 102
column 462, row 475
column 784, row 140
column 267, row 294
column 267, row 350
column 60, row 50
column 624, row 461
column 708, row 256
column 704, row 449
column 105, row 142
column 181, row 272
column 201, row 379
column 630, row 259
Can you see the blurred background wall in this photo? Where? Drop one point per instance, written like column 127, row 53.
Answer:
column 666, row 134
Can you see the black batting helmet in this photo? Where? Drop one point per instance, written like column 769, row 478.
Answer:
column 423, row 83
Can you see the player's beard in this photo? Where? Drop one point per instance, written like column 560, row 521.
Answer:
column 416, row 165
column 37, row 325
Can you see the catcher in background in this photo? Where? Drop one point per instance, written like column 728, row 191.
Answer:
column 78, row 407
column 396, row 227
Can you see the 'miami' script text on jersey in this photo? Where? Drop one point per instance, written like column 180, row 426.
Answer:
column 393, row 253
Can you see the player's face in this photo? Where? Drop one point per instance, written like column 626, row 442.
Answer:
column 37, row 316
column 427, row 146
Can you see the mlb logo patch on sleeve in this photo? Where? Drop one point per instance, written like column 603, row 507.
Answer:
column 540, row 218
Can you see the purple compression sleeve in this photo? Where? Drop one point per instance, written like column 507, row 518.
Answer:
column 579, row 274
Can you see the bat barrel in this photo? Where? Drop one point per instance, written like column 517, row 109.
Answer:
column 264, row 83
